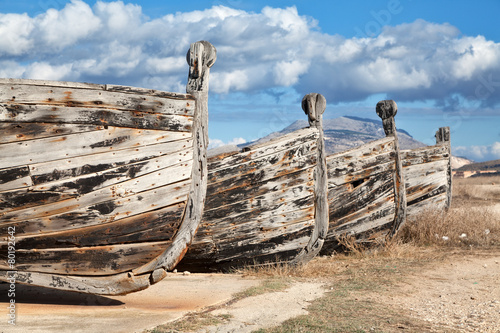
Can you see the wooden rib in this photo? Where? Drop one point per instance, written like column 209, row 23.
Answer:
column 111, row 139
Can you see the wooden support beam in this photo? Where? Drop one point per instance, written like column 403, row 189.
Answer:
column 201, row 57
column 314, row 106
column 387, row 110
column 443, row 139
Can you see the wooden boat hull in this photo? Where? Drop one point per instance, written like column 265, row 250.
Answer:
column 372, row 189
column 428, row 178
column 262, row 203
column 96, row 181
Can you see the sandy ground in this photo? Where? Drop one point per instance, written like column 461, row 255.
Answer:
column 47, row 310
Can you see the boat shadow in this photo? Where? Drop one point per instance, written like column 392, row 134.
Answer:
column 40, row 295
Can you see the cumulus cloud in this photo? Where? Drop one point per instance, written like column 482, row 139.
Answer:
column 113, row 42
column 215, row 143
column 479, row 153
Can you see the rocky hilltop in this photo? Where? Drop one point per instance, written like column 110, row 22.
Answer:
column 349, row 132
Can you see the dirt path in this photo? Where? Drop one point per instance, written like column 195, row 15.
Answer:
column 462, row 293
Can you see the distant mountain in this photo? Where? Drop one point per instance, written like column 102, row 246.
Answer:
column 481, row 166
column 458, row 162
column 346, row 132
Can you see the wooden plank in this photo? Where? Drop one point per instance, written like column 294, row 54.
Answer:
column 68, row 146
column 219, row 195
column 301, row 138
column 431, row 203
column 157, row 225
column 172, row 152
column 126, row 99
column 104, row 212
column 14, row 178
column 120, row 192
column 425, row 179
column 18, row 132
column 72, row 188
column 424, row 155
column 119, row 284
column 349, row 198
column 19, row 113
column 269, row 166
column 49, row 83
column 357, row 164
column 96, row 260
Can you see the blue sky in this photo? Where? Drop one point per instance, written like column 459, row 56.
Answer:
column 439, row 60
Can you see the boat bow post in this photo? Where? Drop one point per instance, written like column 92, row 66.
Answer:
column 443, row 138
column 200, row 57
column 314, row 106
column 387, row 110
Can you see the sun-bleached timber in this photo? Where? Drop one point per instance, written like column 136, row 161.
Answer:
column 104, row 185
column 374, row 187
column 266, row 203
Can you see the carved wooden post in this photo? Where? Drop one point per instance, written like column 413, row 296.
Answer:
column 443, row 138
column 314, row 105
column 387, row 110
column 200, row 57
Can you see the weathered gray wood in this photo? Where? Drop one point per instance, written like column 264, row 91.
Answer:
column 259, row 212
column 155, row 225
column 85, row 261
column 201, row 57
column 428, row 175
column 105, row 182
column 121, row 181
column 15, row 132
column 74, row 145
column 105, row 285
column 72, row 213
column 443, row 139
column 386, row 110
column 314, row 106
column 261, row 202
column 19, row 113
column 20, row 92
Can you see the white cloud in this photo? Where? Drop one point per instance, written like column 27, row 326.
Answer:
column 66, row 27
column 15, row 31
column 479, row 153
column 113, row 42
column 215, row 143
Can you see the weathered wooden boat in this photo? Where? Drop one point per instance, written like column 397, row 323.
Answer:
column 366, row 191
column 266, row 203
column 428, row 177
column 372, row 188
column 101, row 186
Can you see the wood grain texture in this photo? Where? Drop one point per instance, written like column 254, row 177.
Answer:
column 428, row 175
column 260, row 205
column 104, row 185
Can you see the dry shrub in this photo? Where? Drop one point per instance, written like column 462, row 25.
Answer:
column 468, row 225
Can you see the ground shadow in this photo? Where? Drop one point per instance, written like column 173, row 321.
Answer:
column 41, row 295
